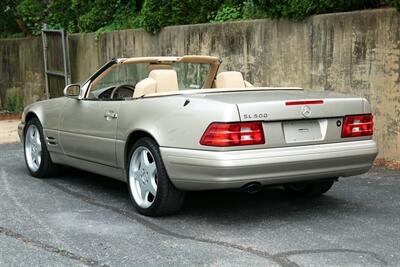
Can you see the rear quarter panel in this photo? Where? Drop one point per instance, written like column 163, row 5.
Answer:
column 170, row 122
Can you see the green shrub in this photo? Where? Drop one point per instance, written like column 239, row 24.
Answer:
column 31, row 13
column 118, row 25
column 107, row 15
column 26, row 16
column 100, row 14
column 14, row 104
column 252, row 11
column 300, row 9
column 226, row 13
column 156, row 14
column 395, row 3
column 152, row 8
column 124, row 17
column 60, row 14
column 8, row 25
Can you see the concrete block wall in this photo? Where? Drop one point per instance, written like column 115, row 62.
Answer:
column 355, row 53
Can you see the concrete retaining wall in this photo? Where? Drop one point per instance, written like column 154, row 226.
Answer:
column 21, row 70
column 354, row 53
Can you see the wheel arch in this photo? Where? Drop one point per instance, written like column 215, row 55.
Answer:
column 29, row 116
column 131, row 139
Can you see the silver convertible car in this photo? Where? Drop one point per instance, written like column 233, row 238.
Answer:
column 166, row 125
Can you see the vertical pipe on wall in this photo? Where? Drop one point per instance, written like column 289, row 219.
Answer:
column 44, row 45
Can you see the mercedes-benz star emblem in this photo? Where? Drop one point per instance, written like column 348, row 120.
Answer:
column 306, row 111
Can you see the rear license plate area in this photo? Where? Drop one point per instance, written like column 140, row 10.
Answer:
column 302, row 131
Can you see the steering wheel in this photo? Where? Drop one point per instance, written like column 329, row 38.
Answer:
column 127, row 86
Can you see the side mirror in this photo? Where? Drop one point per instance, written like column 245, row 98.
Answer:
column 72, row 90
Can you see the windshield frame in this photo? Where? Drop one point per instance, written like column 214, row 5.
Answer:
column 105, row 69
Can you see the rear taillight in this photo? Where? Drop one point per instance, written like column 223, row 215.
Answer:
column 233, row 134
column 358, row 125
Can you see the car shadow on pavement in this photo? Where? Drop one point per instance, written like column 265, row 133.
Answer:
column 271, row 203
column 222, row 205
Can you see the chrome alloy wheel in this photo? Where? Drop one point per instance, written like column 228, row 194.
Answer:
column 143, row 177
column 33, row 148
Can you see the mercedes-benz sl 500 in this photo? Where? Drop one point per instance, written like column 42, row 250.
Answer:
column 167, row 125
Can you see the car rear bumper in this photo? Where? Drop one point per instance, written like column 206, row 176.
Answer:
column 202, row 170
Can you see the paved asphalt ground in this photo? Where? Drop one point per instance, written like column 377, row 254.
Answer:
column 79, row 219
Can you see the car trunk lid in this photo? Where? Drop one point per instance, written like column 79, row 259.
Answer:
column 289, row 104
column 295, row 117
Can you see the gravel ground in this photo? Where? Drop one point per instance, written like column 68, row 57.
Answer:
column 78, row 219
column 8, row 131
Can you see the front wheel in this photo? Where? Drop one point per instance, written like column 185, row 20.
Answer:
column 150, row 188
column 37, row 156
column 309, row 189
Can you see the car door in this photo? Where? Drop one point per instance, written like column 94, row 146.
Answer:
column 88, row 130
column 89, row 123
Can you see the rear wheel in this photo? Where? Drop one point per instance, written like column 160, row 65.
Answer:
column 150, row 188
column 37, row 156
column 309, row 189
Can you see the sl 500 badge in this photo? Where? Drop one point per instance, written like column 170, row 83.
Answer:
column 255, row 116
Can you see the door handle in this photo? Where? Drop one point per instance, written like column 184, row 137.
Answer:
column 110, row 115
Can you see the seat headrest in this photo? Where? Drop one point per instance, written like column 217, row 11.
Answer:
column 230, row 79
column 145, row 87
column 166, row 80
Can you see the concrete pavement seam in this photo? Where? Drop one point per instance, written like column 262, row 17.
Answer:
column 49, row 248
column 316, row 251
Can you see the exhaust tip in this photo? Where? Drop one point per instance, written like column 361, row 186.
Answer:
column 251, row 188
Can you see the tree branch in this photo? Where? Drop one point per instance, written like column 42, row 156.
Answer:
column 23, row 27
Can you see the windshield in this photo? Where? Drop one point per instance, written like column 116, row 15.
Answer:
column 189, row 75
column 120, row 74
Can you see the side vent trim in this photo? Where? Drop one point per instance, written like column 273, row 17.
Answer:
column 51, row 141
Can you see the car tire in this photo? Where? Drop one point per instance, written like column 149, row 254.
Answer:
column 309, row 189
column 146, row 175
column 37, row 157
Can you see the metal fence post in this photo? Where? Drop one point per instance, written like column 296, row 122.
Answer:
column 56, row 72
column 44, row 45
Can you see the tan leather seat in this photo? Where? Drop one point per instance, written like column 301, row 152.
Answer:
column 247, row 84
column 160, row 80
column 230, row 79
column 145, row 87
column 166, row 80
